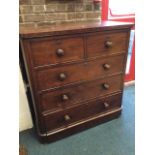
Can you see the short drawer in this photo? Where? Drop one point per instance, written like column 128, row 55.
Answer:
column 60, row 76
column 52, row 51
column 71, row 96
column 81, row 113
column 107, row 43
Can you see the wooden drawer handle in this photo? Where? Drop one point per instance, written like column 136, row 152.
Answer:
column 106, row 66
column 62, row 76
column 64, row 97
column 60, row 52
column 105, row 86
column 106, row 105
column 67, row 118
column 108, row 44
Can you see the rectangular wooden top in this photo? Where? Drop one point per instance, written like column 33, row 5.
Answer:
column 70, row 28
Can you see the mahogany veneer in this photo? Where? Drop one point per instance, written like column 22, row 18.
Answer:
column 75, row 73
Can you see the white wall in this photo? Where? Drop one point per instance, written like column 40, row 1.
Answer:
column 25, row 120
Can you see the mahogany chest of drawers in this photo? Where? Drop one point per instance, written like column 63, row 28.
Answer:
column 75, row 73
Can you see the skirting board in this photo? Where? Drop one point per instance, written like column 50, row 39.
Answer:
column 129, row 83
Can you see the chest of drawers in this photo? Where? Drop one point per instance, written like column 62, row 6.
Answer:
column 75, row 73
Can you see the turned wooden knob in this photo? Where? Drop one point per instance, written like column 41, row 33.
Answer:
column 62, row 76
column 106, row 66
column 67, row 118
column 106, row 105
column 60, row 52
column 65, row 97
column 106, row 86
column 108, row 44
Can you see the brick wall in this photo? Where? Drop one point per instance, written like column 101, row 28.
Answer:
column 44, row 12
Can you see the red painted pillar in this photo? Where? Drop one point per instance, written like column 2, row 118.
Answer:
column 105, row 6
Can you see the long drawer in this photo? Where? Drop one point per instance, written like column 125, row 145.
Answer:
column 80, row 113
column 60, row 76
column 70, row 96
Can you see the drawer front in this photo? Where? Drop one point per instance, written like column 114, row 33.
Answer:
column 82, row 112
column 65, row 97
column 52, row 51
column 84, row 71
column 106, row 43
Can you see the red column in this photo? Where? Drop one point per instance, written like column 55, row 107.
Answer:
column 105, row 7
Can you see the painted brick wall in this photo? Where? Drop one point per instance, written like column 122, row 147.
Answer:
column 44, row 12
